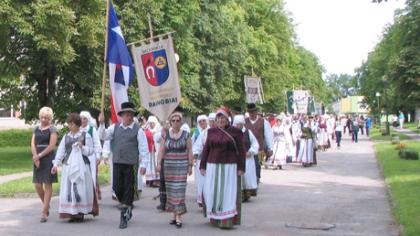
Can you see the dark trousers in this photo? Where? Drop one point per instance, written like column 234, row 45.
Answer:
column 338, row 138
column 367, row 131
column 124, row 183
column 162, row 187
column 257, row 167
column 355, row 133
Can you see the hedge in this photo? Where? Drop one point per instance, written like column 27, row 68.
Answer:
column 21, row 137
column 15, row 137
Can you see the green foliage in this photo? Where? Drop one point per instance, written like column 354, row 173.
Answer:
column 408, row 154
column 393, row 67
column 403, row 179
column 53, row 51
column 15, row 138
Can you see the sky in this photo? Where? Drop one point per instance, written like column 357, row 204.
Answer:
column 341, row 33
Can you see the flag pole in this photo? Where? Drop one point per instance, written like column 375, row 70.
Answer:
column 105, row 57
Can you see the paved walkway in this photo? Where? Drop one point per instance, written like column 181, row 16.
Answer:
column 345, row 190
column 7, row 178
column 413, row 135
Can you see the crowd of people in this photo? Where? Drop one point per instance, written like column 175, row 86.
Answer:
column 225, row 151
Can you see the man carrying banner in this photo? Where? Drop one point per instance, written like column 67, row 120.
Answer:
column 262, row 131
column 129, row 147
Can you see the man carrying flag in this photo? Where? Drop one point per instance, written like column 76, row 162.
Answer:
column 128, row 141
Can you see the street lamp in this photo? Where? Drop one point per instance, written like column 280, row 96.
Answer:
column 379, row 109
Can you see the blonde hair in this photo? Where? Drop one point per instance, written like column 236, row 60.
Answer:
column 46, row 111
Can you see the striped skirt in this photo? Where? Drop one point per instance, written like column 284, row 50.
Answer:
column 175, row 168
column 222, row 195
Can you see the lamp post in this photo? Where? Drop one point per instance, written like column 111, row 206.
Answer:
column 379, row 109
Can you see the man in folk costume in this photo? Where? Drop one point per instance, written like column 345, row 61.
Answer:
column 249, row 182
column 198, row 140
column 262, row 131
column 129, row 147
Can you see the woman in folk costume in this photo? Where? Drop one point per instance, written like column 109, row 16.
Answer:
column 323, row 135
column 89, row 126
column 330, row 129
column 198, row 140
column 176, row 151
column 296, row 136
column 308, row 137
column 290, row 143
column 279, row 143
column 43, row 143
column 152, row 127
column 249, row 180
column 222, row 161
column 77, row 191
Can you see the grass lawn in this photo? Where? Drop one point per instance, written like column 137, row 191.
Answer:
column 403, row 179
column 412, row 127
column 15, row 160
column 24, row 187
column 375, row 135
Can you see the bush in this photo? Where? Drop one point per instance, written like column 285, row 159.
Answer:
column 15, row 138
column 21, row 137
column 408, row 154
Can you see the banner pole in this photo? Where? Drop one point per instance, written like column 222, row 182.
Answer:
column 105, row 57
column 150, row 26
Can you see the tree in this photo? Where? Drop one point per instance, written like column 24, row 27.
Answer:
column 51, row 51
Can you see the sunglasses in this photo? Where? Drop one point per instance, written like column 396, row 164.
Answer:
column 173, row 121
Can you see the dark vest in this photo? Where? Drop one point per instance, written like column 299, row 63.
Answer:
column 125, row 145
column 247, row 140
column 257, row 130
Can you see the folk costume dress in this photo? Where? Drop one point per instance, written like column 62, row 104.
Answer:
column 279, row 146
column 198, row 145
column 151, row 174
column 175, row 168
column 307, row 151
column 223, row 155
column 249, row 180
column 95, row 156
column 77, row 192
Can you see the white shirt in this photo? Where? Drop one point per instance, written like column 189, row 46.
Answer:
column 268, row 133
column 253, row 149
column 87, row 149
column 143, row 148
column 96, row 141
column 199, row 142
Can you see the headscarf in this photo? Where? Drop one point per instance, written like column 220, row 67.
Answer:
column 91, row 120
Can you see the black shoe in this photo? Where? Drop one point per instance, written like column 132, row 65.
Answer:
column 172, row 222
column 178, row 224
column 123, row 221
column 128, row 214
column 160, row 208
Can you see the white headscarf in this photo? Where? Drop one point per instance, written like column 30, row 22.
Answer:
column 212, row 116
column 239, row 119
column 91, row 120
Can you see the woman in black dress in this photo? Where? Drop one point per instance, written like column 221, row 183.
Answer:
column 44, row 139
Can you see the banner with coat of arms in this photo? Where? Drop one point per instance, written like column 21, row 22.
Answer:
column 253, row 89
column 157, row 76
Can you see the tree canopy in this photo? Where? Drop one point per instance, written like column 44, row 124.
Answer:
column 393, row 67
column 51, row 51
